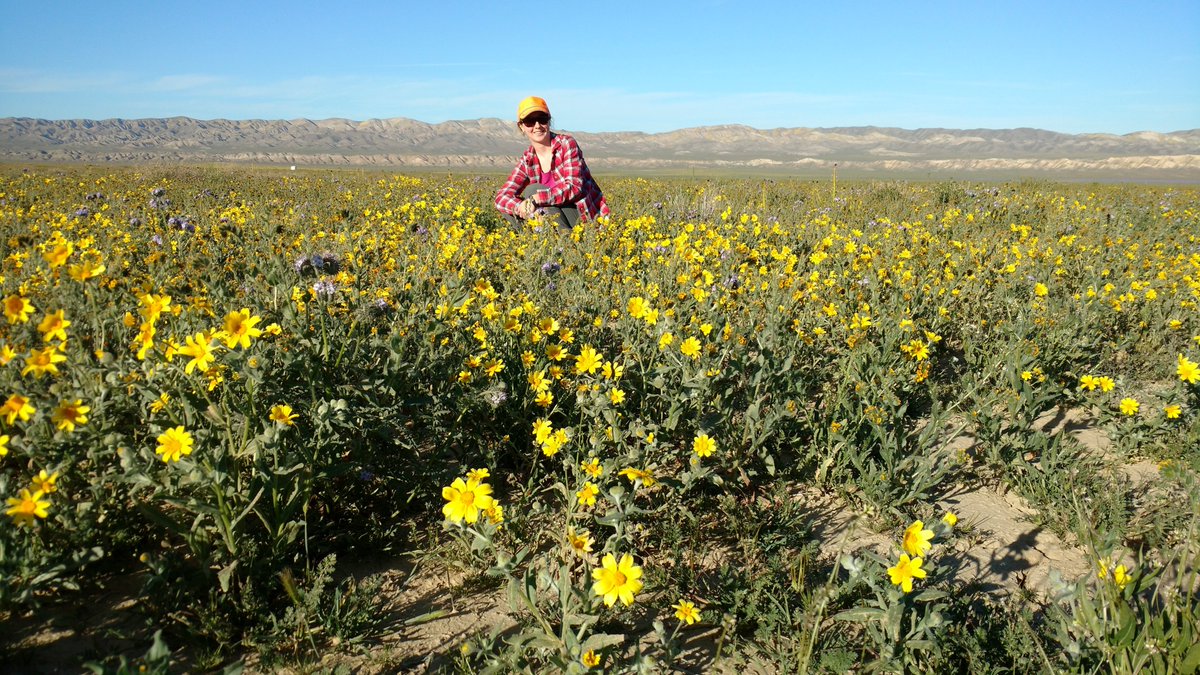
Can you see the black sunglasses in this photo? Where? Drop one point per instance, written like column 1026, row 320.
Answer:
column 536, row 118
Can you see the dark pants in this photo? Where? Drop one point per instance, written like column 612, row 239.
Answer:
column 565, row 216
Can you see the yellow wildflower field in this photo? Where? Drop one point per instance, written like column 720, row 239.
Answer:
column 222, row 380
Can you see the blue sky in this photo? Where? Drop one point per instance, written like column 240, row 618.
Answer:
column 1100, row 66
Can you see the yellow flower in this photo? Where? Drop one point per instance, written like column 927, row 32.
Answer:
column 686, row 612
column 240, row 328
column 4, row 444
column 587, row 495
column 1129, row 406
column 905, row 571
column 491, row 368
column 612, row 371
column 1106, row 383
column 635, row 475
column 690, row 348
column 916, row 539
column 666, row 340
column 17, row 309
column 588, row 361
column 15, row 407
column 1172, row 412
column 153, row 305
column 1188, row 371
column 950, row 519
column 542, row 429
column 555, row 442
column 86, row 270
column 916, row 350
column 1121, row 577
column 282, row 414
column 145, row 339
column 199, row 347
column 617, row 580
column 465, row 499
column 555, row 352
column 637, row 307
column 26, row 506
column 7, row 354
column 479, row 475
column 590, row 659
column 69, row 415
column 159, row 403
column 1040, row 290
column 1088, row 382
column 616, row 396
column 54, row 326
column 42, row 362
column 592, row 468
column 45, row 483
column 173, row 444
column 703, row 446
column 581, row 543
column 57, row 255
column 494, row 513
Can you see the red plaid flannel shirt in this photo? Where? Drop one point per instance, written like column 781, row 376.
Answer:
column 574, row 183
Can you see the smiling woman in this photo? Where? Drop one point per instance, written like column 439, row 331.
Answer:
column 551, row 180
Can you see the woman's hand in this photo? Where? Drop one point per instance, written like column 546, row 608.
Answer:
column 526, row 209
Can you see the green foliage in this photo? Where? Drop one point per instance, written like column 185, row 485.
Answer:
column 693, row 360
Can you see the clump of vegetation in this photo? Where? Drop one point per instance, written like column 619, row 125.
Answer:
column 225, row 381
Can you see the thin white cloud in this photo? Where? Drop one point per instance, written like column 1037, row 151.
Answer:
column 27, row 81
column 184, row 82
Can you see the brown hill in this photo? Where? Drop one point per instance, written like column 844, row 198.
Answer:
column 494, row 144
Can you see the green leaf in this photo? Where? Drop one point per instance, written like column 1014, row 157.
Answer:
column 598, row 641
column 929, row 595
column 226, row 574
column 860, row 614
column 1191, row 662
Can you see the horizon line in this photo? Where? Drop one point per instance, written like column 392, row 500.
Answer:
column 628, row 131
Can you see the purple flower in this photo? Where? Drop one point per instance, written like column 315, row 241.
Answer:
column 158, row 192
column 303, row 266
column 550, row 268
column 156, row 240
column 82, row 213
column 135, row 221
column 324, row 289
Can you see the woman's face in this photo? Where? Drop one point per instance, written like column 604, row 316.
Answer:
column 536, row 127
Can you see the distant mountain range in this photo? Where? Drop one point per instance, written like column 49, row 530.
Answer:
column 493, row 144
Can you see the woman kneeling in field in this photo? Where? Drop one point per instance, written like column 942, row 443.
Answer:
column 551, row 180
